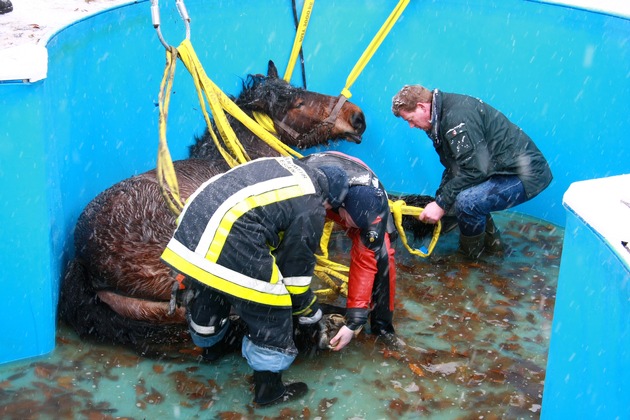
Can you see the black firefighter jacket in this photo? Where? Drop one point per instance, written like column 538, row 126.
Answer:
column 252, row 233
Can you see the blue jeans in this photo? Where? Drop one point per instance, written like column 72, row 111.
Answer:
column 473, row 206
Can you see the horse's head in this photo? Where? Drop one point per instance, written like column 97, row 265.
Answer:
column 301, row 117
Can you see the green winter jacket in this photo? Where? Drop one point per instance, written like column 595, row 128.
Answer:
column 475, row 141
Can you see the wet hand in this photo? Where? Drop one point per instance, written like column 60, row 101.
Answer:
column 432, row 213
column 343, row 337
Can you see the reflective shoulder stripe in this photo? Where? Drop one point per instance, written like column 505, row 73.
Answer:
column 195, row 194
column 259, row 194
column 221, row 278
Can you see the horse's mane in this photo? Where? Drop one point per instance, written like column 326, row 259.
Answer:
column 262, row 93
column 259, row 93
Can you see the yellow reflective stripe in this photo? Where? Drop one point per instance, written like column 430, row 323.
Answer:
column 297, row 285
column 248, row 288
column 242, row 207
column 297, row 290
column 298, row 177
column 307, row 309
column 275, row 272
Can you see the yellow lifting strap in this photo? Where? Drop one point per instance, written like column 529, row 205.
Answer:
column 327, row 269
column 167, row 180
column 223, row 102
column 307, row 8
column 233, row 152
column 373, row 46
column 398, row 209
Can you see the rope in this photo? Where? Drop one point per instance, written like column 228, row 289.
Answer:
column 399, row 208
column 326, row 269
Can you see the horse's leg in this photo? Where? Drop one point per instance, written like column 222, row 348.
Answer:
column 81, row 308
column 141, row 309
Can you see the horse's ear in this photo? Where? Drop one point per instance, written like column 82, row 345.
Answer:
column 272, row 71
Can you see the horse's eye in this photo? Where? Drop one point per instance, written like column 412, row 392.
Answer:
column 299, row 104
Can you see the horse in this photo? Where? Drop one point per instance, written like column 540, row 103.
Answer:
column 116, row 290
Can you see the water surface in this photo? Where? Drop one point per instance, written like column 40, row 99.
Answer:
column 476, row 334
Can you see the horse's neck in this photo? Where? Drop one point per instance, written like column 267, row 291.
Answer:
column 254, row 146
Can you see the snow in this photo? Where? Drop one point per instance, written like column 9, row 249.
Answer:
column 25, row 31
column 32, row 21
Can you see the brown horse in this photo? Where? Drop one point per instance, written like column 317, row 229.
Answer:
column 116, row 289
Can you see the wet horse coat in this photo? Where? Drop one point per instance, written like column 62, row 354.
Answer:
column 116, row 289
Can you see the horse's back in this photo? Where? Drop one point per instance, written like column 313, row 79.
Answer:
column 119, row 238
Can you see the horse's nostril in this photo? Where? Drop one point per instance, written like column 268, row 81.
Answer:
column 358, row 122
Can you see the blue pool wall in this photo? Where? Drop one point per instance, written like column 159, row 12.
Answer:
column 562, row 74
column 588, row 364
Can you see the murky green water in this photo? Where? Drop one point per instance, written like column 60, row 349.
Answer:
column 477, row 336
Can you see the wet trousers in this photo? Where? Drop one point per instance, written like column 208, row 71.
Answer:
column 473, row 205
column 268, row 345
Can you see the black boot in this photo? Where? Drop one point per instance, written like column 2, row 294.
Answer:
column 472, row 246
column 5, row 6
column 269, row 389
column 493, row 242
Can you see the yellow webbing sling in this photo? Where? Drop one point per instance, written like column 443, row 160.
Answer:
column 262, row 126
column 373, row 46
column 305, row 16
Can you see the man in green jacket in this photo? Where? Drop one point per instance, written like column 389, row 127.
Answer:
column 490, row 163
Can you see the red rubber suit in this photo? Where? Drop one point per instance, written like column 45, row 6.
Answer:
column 372, row 279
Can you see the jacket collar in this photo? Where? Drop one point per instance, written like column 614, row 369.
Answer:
column 436, row 111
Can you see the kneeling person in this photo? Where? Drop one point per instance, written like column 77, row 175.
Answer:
column 246, row 241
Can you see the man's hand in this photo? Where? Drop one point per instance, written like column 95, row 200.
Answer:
column 343, row 337
column 432, row 213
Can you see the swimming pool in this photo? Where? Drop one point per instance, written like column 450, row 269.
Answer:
column 560, row 73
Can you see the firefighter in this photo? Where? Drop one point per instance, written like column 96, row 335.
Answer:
column 246, row 242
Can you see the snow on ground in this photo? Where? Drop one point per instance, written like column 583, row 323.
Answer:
column 35, row 20
column 25, row 31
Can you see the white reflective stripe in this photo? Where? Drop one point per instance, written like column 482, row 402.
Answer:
column 298, row 281
column 201, row 329
column 224, row 272
column 195, row 194
column 253, row 190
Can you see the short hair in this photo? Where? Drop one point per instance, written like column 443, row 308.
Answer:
column 408, row 98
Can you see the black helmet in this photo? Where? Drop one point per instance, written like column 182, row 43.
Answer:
column 337, row 184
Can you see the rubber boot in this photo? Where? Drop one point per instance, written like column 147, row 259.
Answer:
column 472, row 246
column 381, row 326
column 5, row 6
column 493, row 242
column 449, row 223
column 269, row 389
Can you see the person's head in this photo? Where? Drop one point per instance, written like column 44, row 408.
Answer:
column 413, row 104
column 362, row 206
column 337, row 185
